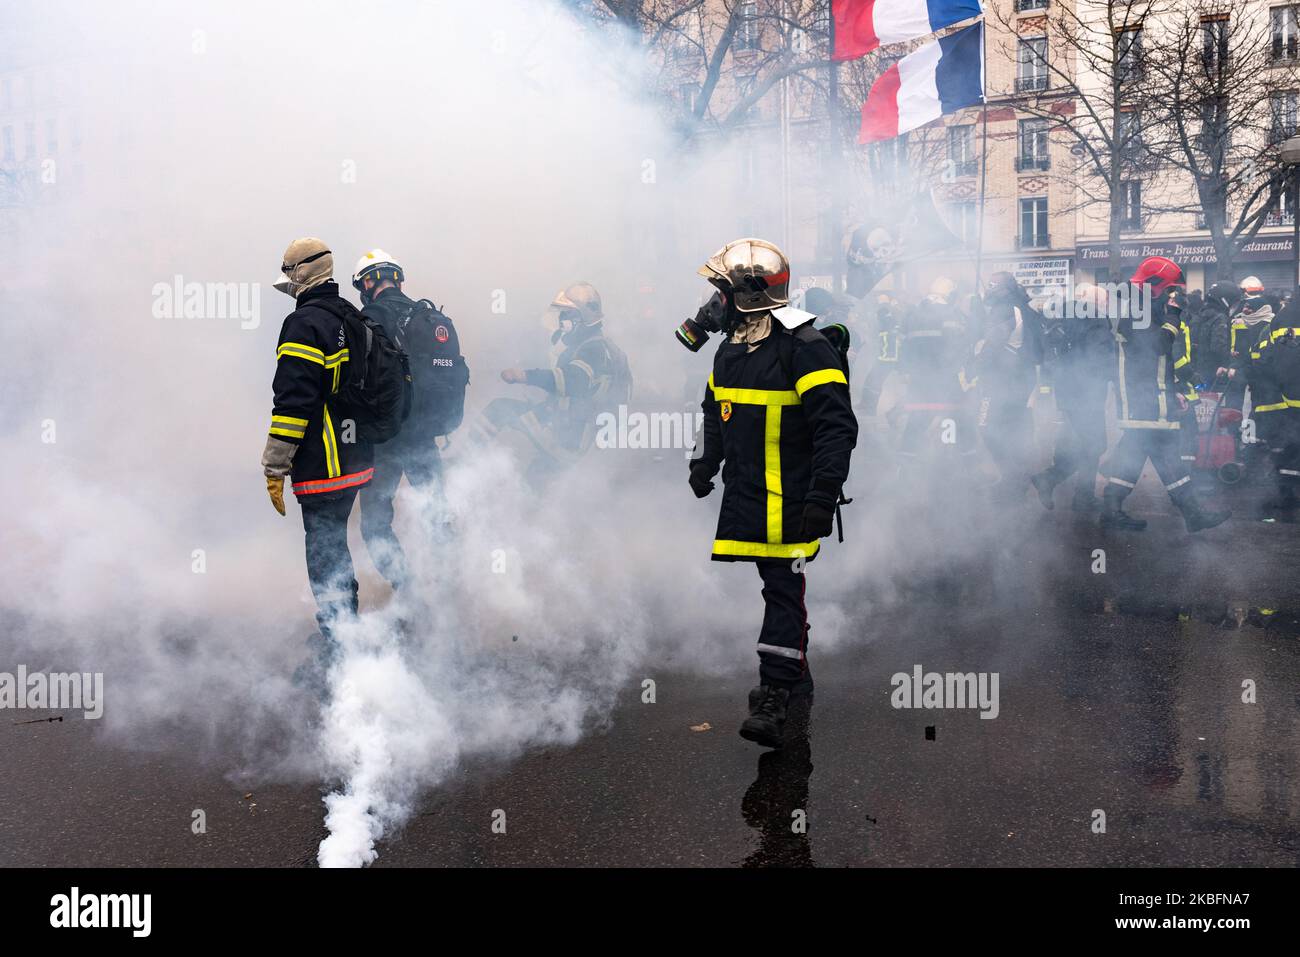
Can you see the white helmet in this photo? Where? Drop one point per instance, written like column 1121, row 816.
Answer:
column 377, row 264
column 1251, row 286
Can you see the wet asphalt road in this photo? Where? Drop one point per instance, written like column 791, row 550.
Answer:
column 1118, row 693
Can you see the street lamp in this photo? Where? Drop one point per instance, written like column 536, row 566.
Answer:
column 1290, row 156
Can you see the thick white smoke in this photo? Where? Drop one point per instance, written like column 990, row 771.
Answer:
column 502, row 150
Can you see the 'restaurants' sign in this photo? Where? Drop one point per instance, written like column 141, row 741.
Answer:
column 1188, row 252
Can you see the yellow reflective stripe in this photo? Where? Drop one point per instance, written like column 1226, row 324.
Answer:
column 772, row 472
column 288, row 426
column 335, row 385
column 756, row 396
column 1170, row 326
column 765, row 549
column 820, row 377
column 300, row 351
column 1271, row 407
column 1181, row 361
column 331, row 448
column 1279, row 333
column 1161, row 401
column 332, row 362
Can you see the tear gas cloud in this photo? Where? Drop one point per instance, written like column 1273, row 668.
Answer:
column 501, row 150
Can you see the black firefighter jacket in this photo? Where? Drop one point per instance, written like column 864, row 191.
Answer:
column 311, row 364
column 780, row 422
column 1153, row 366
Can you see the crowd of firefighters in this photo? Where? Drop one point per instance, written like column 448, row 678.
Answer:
column 1191, row 374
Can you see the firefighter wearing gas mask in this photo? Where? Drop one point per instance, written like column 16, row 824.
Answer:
column 590, row 375
column 779, row 423
column 1152, row 365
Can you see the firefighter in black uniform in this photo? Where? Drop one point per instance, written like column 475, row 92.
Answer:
column 590, row 376
column 326, row 462
column 439, row 376
column 934, row 349
column 1005, row 363
column 1212, row 345
column 1084, row 365
column 1151, row 404
column 1279, row 364
column 1252, row 328
column 888, row 334
column 779, row 422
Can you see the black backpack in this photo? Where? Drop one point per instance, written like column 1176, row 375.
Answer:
column 377, row 393
column 440, row 379
column 837, row 334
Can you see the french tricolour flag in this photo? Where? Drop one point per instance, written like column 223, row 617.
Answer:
column 940, row 77
column 863, row 25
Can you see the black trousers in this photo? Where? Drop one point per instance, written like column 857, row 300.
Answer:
column 1163, row 447
column 1288, row 439
column 329, row 563
column 783, row 640
column 422, row 466
column 1080, row 443
column 1009, row 437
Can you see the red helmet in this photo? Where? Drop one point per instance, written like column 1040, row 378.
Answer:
column 1160, row 272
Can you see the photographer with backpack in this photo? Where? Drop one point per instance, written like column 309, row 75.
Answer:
column 439, row 377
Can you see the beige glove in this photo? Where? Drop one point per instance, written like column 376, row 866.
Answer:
column 277, row 462
column 275, row 487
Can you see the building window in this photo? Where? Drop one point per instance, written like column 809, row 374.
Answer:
column 1033, row 223
column 29, row 141
column 1282, row 210
column 690, row 95
column 1033, row 152
column 1128, row 50
column 961, row 149
column 1130, row 204
column 1283, row 20
column 965, row 222
column 51, row 136
column 1214, row 42
column 9, row 144
column 1284, row 115
column 747, row 32
column 745, row 84
column 1215, row 136
column 1031, row 64
column 1130, row 135
column 1023, row 6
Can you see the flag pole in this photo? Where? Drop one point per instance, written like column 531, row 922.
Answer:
column 984, row 153
column 837, row 223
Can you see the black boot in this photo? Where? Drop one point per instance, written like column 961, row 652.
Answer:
column 1085, row 500
column 1044, row 484
column 1284, row 501
column 1112, row 513
column 766, row 721
column 1196, row 516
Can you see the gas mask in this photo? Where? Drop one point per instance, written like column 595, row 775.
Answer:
column 719, row 314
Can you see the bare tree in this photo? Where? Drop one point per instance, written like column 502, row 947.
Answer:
column 1081, row 71
column 1221, row 99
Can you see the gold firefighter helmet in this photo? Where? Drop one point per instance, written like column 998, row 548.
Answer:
column 582, row 298
column 754, row 272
